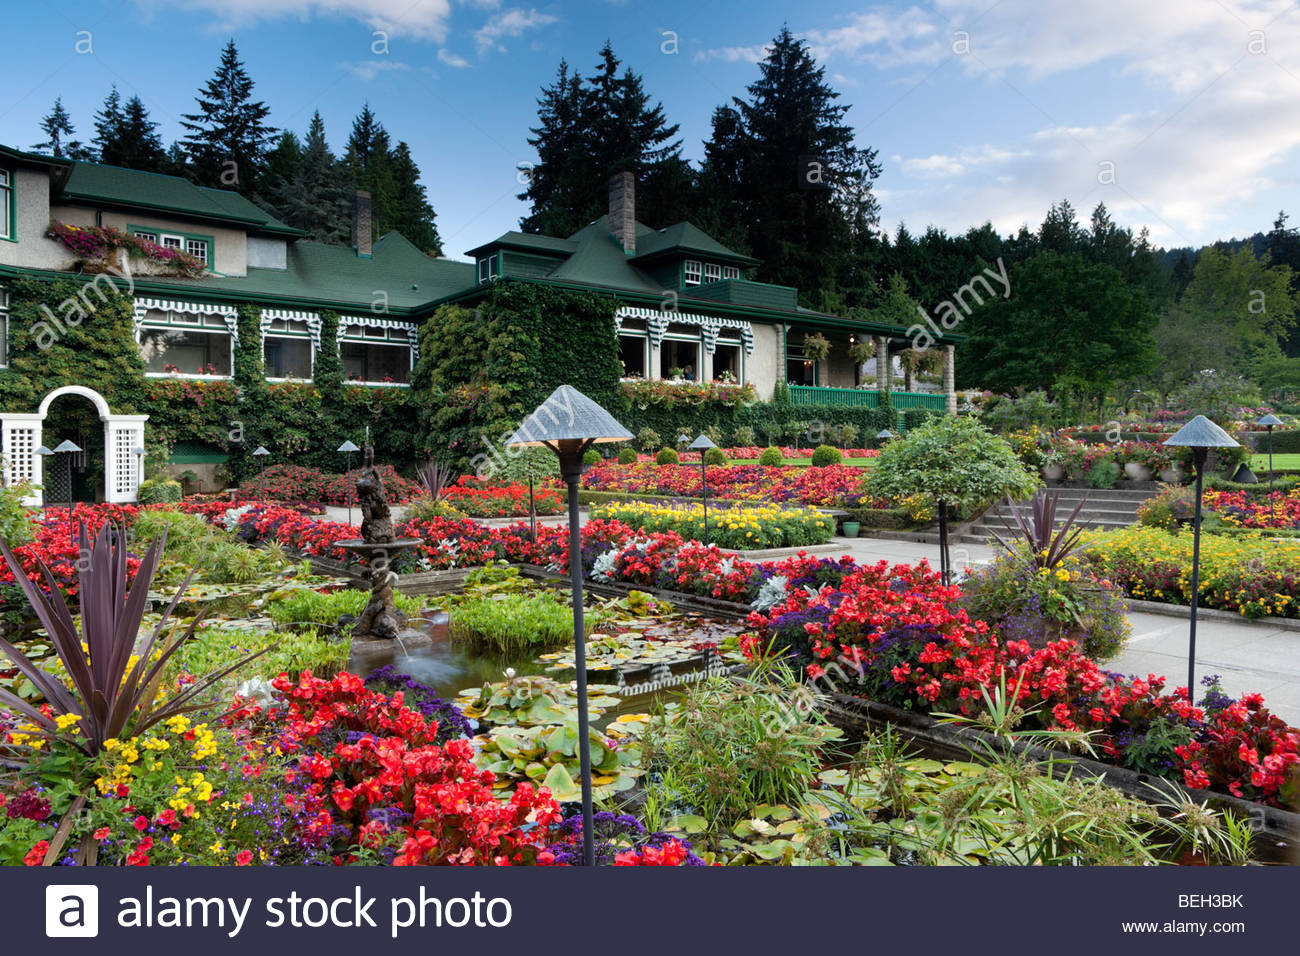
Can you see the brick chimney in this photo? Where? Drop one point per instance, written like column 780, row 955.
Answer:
column 362, row 231
column 622, row 211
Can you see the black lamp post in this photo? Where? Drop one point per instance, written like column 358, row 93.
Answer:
column 348, row 448
column 67, row 449
column 569, row 423
column 1200, row 435
column 884, row 435
column 702, row 445
column 261, row 454
column 1269, row 422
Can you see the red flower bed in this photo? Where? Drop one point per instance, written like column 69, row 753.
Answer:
column 481, row 499
column 372, row 774
column 831, row 485
column 295, row 483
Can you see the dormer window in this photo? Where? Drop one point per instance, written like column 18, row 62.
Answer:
column 731, row 272
column 693, row 272
column 712, row 272
column 489, row 268
column 200, row 247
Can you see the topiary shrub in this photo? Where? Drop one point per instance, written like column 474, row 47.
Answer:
column 159, row 491
column 647, row 439
column 667, row 456
column 771, row 457
column 627, row 456
column 591, row 457
column 714, row 456
column 824, row 455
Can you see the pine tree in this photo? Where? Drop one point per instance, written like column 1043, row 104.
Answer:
column 412, row 215
column 126, row 136
column 313, row 195
column 787, row 171
column 368, row 166
column 590, row 130
column 228, row 136
column 58, row 128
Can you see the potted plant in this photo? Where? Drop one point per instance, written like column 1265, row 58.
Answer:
column 1137, row 461
column 1075, row 458
column 1053, row 465
column 862, row 351
column 850, row 528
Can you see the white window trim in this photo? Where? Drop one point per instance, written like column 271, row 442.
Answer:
column 313, row 323
column 692, row 272
column 229, row 316
column 4, row 327
column 645, row 348
column 206, row 250
column 697, row 341
column 712, row 272
column 731, row 272
column 391, row 325
column 7, row 204
column 740, row 347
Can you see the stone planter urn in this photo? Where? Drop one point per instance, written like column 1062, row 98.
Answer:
column 1053, row 472
column 1137, row 472
column 1171, row 475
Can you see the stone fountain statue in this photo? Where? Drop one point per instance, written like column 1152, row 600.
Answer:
column 377, row 547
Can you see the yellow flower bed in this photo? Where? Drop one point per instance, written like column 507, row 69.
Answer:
column 1255, row 577
column 767, row 526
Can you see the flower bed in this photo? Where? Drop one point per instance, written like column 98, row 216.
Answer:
column 750, row 528
column 833, row 485
column 479, row 499
column 892, row 634
column 1246, row 510
column 1255, row 577
column 296, row 483
column 95, row 242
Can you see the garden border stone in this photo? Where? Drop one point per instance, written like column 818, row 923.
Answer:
column 1184, row 611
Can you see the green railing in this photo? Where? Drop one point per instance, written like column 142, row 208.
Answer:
column 865, row 398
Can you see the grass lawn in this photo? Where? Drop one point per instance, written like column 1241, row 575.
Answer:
column 1291, row 461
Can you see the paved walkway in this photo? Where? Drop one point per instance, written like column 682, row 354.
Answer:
column 1248, row 655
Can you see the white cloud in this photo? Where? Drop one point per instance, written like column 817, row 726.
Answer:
column 452, row 59
column 510, row 23
column 421, row 19
column 734, row 54
column 367, row 70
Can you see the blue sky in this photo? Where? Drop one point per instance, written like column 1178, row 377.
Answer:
column 1182, row 115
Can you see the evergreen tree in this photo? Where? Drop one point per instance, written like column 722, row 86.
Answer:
column 228, row 136
column 1282, row 247
column 313, row 195
column 588, row 131
column 58, row 128
column 411, row 214
column 398, row 202
column 126, row 136
column 787, row 170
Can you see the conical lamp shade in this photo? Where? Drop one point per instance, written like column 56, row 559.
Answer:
column 568, row 415
column 1200, row 432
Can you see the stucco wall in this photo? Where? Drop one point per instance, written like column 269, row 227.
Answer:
column 766, row 362
column 229, row 257
column 33, row 250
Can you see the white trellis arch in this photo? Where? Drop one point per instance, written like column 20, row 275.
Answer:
column 123, row 434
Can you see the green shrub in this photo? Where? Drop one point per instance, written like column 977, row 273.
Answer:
column 627, row 456
column 667, row 456
column 1103, row 474
column 159, row 491
column 825, row 455
column 714, row 456
column 426, row 509
column 916, row 417
column 648, row 439
column 15, row 520
column 845, row 435
column 743, row 436
column 591, row 457
column 306, row 609
column 771, row 457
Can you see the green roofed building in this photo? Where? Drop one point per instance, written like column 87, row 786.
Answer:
column 685, row 307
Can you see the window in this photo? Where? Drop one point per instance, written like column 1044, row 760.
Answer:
column 151, row 236
column 488, row 268
column 187, row 343
column 287, row 349
column 798, row 369
column 731, row 272
column 678, row 357
column 171, row 242
column 4, row 329
column 727, row 362
column 692, row 272
column 712, row 272
column 377, row 354
column 198, row 248
column 633, row 352
column 6, row 205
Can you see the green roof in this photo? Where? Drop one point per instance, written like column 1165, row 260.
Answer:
column 132, row 188
column 681, row 238
column 31, row 159
column 326, row 276
column 527, row 241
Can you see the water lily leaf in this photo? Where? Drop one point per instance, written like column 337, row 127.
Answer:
column 561, row 784
column 689, row 823
column 834, row 778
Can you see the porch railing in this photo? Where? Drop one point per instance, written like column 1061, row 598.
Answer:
column 865, row 397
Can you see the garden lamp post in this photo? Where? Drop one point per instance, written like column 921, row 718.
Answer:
column 884, row 435
column 683, row 441
column 261, row 454
column 1269, row 422
column 45, row 454
column 702, row 445
column 569, row 423
column 139, row 453
column 1200, row 435
column 348, row 448
column 67, row 449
